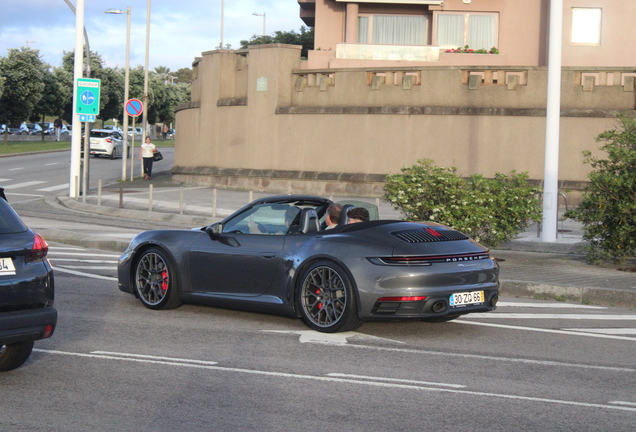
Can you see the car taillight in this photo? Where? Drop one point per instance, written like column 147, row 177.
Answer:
column 40, row 249
column 401, row 299
column 48, row 331
column 108, row 140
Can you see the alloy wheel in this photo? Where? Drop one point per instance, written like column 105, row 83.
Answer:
column 152, row 279
column 324, row 296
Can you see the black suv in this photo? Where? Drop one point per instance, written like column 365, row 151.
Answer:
column 26, row 289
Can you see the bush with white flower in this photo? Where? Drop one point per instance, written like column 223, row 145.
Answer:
column 491, row 211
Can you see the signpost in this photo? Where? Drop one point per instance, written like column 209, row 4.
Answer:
column 87, row 106
column 134, row 108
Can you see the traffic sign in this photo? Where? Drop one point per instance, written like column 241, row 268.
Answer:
column 134, row 107
column 88, row 118
column 87, row 96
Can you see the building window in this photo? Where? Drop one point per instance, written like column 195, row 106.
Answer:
column 586, row 26
column 392, row 29
column 477, row 30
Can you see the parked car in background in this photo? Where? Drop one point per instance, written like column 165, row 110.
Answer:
column 26, row 289
column 138, row 131
column 104, row 142
column 49, row 129
column 3, row 128
column 171, row 133
column 33, row 128
column 112, row 128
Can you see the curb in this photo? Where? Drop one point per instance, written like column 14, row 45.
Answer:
column 70, row 238
column 35, row 153
column 570, row 294
column 72, row 204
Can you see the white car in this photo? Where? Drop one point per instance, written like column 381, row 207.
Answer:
column 106, row 142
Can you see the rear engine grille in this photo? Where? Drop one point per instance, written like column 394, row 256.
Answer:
column 426, row 235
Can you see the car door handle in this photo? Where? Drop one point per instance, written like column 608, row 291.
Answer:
column 268, row 255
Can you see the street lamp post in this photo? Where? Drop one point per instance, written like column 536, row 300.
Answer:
column 145, row 118
column 263, row 15
column 222, row 7
column 127, row 80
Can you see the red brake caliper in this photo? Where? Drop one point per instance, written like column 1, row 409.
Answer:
column 164, row 282
column 319, row 304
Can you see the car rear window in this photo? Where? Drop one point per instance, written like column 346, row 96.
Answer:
column 100, row 134
column 9, row 220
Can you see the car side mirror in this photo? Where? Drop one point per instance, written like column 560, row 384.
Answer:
column 215, row 230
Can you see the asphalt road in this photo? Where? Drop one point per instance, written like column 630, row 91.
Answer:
column 30, row 177
column 115, row 365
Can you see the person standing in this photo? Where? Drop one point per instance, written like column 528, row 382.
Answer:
column 165, row 131
column 57, row 124
column 146, row 152
column 158, row 129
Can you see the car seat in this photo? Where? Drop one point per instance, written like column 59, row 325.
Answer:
column 309, row 222
column 344, row 219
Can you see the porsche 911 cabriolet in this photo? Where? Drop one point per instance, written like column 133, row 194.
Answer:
column 275, row 256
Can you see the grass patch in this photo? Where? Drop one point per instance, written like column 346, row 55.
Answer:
column 159, row 143
column 32, row 146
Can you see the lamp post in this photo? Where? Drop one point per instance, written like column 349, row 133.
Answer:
column 145, row 118
column 263, row 15
column 127, row 80
column 222, row 7
column 28, row 42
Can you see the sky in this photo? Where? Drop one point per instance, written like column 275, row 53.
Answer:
column 179, row 30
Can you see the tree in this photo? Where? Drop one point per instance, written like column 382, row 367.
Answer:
column 55, row 96
column 305, row 38
column 23, row 86
column 111, row 94
column 183, row 75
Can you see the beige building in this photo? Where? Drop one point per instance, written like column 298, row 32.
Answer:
column 380, row 91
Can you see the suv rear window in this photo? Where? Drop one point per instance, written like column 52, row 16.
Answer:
column 9, row 220
column 100, row 134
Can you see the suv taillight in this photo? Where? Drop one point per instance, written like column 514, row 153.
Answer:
column 40, row 249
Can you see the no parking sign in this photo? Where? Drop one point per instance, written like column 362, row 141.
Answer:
column 134, row 107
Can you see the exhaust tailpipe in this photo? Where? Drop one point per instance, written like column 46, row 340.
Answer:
column 438, row 307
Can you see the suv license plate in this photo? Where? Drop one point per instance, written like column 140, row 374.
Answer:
column 6, row 267
column 467, row 298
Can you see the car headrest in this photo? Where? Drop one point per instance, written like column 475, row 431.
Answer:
column 309, row 222
column 344, row 219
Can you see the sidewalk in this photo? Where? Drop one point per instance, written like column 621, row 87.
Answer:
column 530, row 268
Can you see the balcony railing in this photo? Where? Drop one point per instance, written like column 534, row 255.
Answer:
column 427, row 53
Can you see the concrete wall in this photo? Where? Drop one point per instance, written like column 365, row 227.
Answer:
column 353, row 122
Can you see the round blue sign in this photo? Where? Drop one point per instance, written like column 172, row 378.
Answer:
column 87, row 97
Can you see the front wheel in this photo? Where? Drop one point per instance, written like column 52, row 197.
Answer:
column 156, row 280
column 13, row 356
column 326, row 299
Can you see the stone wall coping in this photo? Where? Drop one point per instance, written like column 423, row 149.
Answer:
column 277, row 45
column 187, row 105
column 462, row 68
column 441, row 110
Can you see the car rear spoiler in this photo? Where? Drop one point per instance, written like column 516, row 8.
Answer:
column 2, row 193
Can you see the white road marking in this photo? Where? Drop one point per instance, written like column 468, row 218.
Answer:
column 54, row 163
column 5, row 180
column 23, row 185
column 395, row 380
column 541, row 330
column 110, row 268
column 496, row 315
column 86, row 254
column 89, row 275
column 548, row 305
column 347, row 381
column 624, row 403
column 472, row 356
column 609, row 331
column 23, row 194
column 55, row 248
column 54, row 188
column 83, row 261
column 16, row 169
column 311, row 336
column 155, row 357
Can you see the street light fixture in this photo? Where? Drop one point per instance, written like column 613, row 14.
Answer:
column 28, row 42
column 263, row 15
column 127, row 80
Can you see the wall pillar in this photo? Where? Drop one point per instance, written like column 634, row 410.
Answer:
column 351, row 32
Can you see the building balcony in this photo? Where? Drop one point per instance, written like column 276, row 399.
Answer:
column 406, row 53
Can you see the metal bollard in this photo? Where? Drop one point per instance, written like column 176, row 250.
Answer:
column 150, row 198
column 213, row 202
column 251, row 197
column 331, row 198
column 377, row 203
column 121, row 195
column 99, row 192
column 181, row 200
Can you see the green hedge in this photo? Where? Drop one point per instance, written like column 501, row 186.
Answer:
column 489, row 210
column 608, row 210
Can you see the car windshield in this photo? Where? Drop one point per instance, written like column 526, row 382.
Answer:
column 270, row 219
column 9, row 220
column 98, row 134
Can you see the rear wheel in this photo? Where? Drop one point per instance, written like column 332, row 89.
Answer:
column 326, row 299
column 156, row 280
column 14, row 355
column 113, row 154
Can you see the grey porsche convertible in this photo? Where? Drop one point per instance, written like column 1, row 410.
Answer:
column 275, row 256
